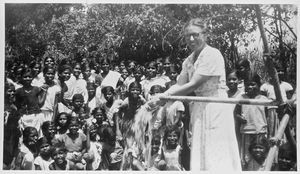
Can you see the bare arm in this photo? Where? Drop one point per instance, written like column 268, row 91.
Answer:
column 42, row 95
column 184, row 87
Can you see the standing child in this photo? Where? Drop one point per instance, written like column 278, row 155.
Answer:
column 50, row 104
column 36, row 69
column 172, row 74
column 64, row 74
column 29, row 99
column 129, row 108
column 234, row 92
column 91, row 88
column 111, row 105
column 79, row 84
column 252, row 117
column 232, row 84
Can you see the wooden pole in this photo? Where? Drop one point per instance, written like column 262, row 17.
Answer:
column 222, row 100
column 267, row 58
column 274, row 149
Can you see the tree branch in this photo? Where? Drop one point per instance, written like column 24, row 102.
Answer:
column 282, row 42
column 290, row 28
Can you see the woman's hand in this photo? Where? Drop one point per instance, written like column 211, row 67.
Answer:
column 241, row 118
column 156, row 101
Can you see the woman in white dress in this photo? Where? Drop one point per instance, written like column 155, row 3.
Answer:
column 214, row 146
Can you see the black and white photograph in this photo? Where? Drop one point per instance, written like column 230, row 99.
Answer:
column 149, row 87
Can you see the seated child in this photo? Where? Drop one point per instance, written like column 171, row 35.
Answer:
column 287, row 158
column 60, row 162
column 258, row 150
column 172, row 149
column 44, row 159
column 28, row 150
column 112, row 151
column 49, row 132
column 62, row 123
column 94, row 148
column 75, row 143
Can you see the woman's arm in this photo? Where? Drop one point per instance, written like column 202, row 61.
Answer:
column 187, row 88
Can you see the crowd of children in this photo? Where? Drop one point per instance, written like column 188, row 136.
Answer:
column 81, row 115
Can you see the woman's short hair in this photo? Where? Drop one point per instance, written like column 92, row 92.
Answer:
column 201, row 23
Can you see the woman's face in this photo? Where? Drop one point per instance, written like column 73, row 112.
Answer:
column 77, row 70
column 194, row 37
column 62, row 120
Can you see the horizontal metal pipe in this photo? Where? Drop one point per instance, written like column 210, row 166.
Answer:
column 222, row 100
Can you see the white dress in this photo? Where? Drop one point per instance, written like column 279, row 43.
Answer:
column 214, row 144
